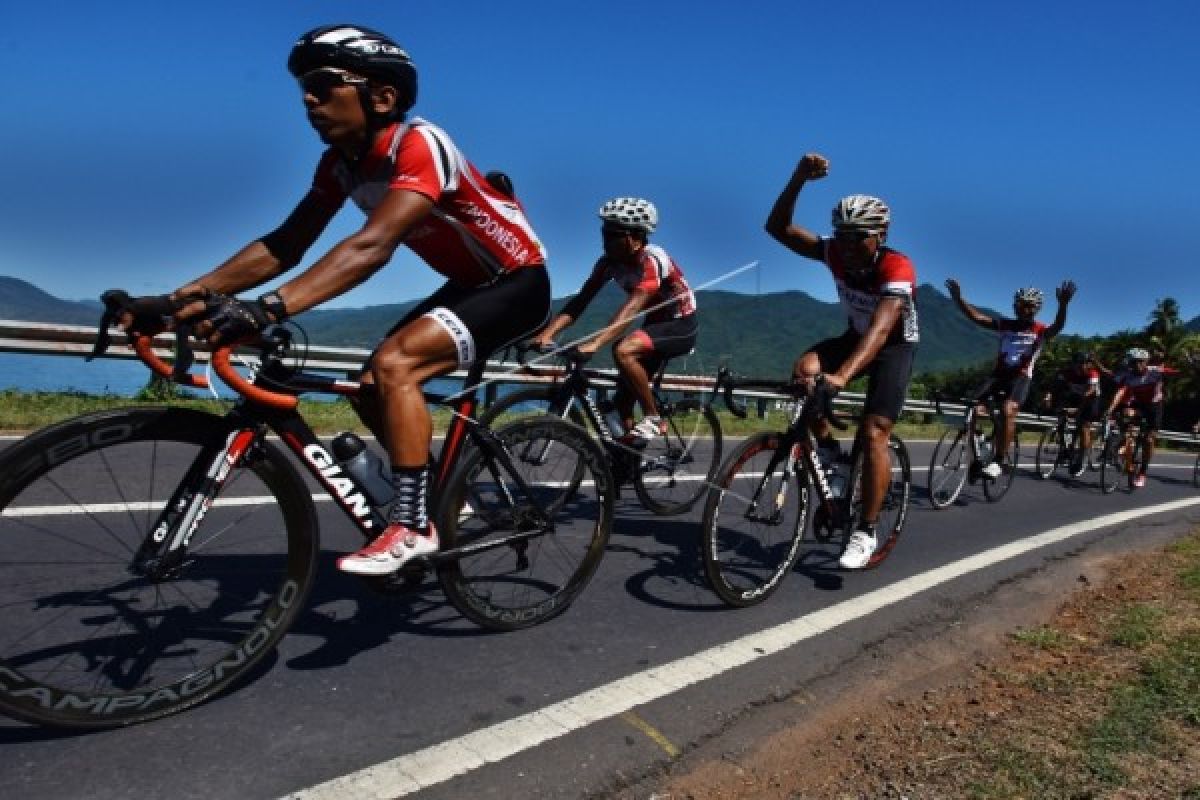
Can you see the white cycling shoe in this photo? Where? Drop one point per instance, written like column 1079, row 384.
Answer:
column 859, row 549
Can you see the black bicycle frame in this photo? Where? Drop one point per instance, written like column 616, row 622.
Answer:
column 164, row 550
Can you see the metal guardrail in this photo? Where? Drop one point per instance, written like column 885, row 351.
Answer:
column 39, row 338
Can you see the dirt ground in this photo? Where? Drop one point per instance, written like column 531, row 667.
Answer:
column 990, row 709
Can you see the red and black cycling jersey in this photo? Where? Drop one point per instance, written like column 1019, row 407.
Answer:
column 1020, row 346
column 1078, row 380
column 654, row 272
column 473, row 233
column 893, row 276
column 1144, row 388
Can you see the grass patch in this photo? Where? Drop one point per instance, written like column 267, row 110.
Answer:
column 1136, row 626
column 1042, row 638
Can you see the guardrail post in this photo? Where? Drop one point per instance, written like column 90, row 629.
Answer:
column 489, row 392
column 762, row 408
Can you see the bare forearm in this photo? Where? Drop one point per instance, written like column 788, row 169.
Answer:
column 345, row 266
column 251, row 266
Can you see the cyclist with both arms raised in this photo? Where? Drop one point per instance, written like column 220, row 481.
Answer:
column 876, row 286
column 656, row 285
column 1021, row 342
column 417, row 189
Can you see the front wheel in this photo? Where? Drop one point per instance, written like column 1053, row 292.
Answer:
column 948, row 468
column 894, row 510
column 529, row 533
column 92, row 636
column 1111, row 464
column 754, row 520
column 676, row 468
column 1048, row 453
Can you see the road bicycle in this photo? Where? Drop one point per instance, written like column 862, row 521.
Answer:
column 1124, row 452
column 669, row 473
column 962, row 452
column 1059, row 447
column 758, row 509
column 152, row 556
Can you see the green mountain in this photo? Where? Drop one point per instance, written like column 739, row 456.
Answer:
column 20, row 300
column 759, row 334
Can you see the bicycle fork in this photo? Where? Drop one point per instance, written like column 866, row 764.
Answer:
column 163, row 552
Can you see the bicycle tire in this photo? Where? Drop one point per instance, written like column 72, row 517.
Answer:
column 745, row 559
column 506, row 585
column 1111, row 466
column 674, row 472
column 948, row 468
column 85, row 642
column 1133, row 462
column 1049, row 451
column 995, row 489
column 894, row 511
column 1196, row 473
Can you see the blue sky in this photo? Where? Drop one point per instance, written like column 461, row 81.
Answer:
column 1018, row 143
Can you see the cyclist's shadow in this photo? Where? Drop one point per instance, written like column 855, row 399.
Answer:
column 675, row 578
column 377, row 617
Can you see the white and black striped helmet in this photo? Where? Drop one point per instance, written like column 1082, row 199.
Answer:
column 360, row 50
column 630, row 212
column 861, row 212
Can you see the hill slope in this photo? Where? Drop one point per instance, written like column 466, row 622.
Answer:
column 759, row 334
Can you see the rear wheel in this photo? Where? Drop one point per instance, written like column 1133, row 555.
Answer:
column 531, row 532
column 754, row 520
column 676, row 469
column 894, row 511
column 948, row 468
column 1049, row 451
column 90, row 637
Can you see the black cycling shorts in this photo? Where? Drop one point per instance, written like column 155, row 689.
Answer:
column 887, row 376
column 1089, row 407
column 670, row 337
column 1014, row 387
column 484, row 319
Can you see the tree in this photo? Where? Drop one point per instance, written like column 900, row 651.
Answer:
column 1164, row 318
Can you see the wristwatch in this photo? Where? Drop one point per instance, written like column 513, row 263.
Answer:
column 272, row 303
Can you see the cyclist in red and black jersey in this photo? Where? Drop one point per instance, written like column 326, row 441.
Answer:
column 417, row 189
column 877, row 289
column 1140, row 395
column 1077, row 385
column 1021, row 342
column 656, row 285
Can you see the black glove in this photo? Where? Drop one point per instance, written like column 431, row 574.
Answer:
column 234, row 320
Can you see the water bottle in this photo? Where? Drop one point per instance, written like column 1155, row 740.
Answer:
column 366, row 468
column 829, row 453
column 612, row 419
column 837, row 481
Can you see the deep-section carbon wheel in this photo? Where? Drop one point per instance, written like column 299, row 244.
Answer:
column 754, row 520
column 87, row 639
column 531, row 531
column 948, row 468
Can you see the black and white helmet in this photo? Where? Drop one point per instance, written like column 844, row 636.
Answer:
column 360, row 50
column 1138, row 354
column 1029, row 294
column 630, row 212
column 861, row 212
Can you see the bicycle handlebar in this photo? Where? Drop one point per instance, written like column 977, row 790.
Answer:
column 821, row 396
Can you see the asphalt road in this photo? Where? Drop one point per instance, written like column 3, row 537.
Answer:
column 380, row 692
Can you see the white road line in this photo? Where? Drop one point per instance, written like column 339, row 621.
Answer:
column 439, row 763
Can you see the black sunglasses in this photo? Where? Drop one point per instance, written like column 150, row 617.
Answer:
column 320, row 83
column 614, row 233
column 852, row 235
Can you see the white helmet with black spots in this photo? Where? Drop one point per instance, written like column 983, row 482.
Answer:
column 360, row 50
column 1138, row 354
column 630, row 212
column 861, row 212
column 1029, row 294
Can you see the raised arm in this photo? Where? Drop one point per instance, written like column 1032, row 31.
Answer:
column 968, row 310
column 812, row 166
column 1064, row 295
